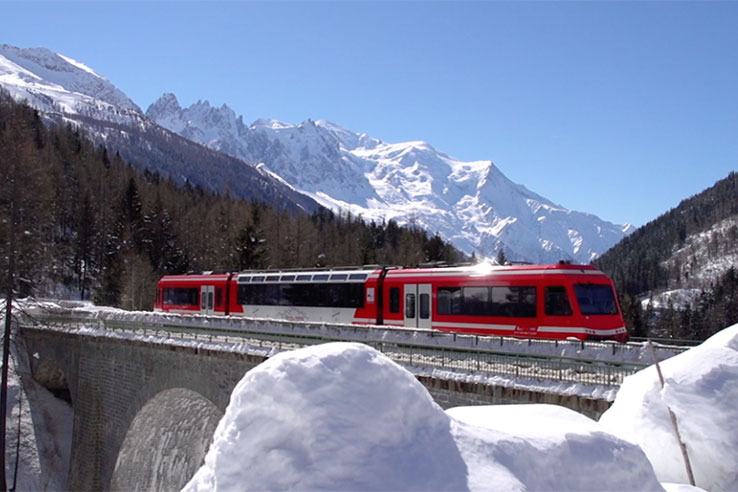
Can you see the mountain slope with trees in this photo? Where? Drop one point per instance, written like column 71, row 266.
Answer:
column 470, row 203
column 683, row 264
column 78, row 221
column 66, row 91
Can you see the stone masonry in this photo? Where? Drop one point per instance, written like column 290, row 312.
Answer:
column 144, row 411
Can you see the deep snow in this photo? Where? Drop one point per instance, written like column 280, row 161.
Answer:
column 343, row 416
column 701, row 387
column 42, row 451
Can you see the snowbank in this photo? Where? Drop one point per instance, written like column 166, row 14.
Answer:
column 39, row 428
column 342, row 416
column 547, row 447
column 702, row 391
column 335, row 416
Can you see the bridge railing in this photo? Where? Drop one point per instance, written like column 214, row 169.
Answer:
column 590, row 363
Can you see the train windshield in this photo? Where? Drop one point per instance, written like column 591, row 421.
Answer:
column 595, row 299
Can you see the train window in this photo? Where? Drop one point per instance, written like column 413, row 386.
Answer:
column 320, row 277
column 409, row 306
column 303, row 294
column 257, row 279
column 243, row 280
column 394, row 300
column 557, row 301
column 339, row 276
column 287, row 278
column 272, row 278
column 219, row 297
column 595, row 299
column 357, row 276
column 516, row 302
column 450, row 300
column 476, row 301
column 424, row 308
column 271, row 295
column 302, row 278
column 181, row 296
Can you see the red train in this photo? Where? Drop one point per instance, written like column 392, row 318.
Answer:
column 531, row 301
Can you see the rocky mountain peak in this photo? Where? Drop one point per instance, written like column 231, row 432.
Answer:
column 472, row 204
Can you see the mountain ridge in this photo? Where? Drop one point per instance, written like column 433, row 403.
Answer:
column 314, row 163
column 677, row 275
column 68, row 92
column 471, row 204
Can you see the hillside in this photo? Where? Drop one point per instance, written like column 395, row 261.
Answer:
column 297, row 167
column 86, row 224
column 681, row 266
column 67, row 92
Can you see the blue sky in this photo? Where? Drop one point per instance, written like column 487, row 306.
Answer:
column 620, row 109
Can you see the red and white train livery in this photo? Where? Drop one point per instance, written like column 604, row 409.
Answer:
column 531, row 301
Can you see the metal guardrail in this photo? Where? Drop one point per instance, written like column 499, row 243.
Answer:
column 668, row 341
column 468, row 355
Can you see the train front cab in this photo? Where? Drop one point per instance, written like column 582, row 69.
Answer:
column 598, row 309
column 581, row 305
column 192, row 294
column 552, row 302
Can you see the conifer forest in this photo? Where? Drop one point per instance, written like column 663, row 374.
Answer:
column 81, row 223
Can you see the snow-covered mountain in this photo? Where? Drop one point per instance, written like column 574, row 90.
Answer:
column 66, row 91
column 472, row 204
column 56, row 84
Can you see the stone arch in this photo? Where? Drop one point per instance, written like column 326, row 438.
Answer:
column 51, row 376
column 166, row 442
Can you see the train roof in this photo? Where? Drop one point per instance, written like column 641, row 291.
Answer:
column 427, row 269
column 484, row 269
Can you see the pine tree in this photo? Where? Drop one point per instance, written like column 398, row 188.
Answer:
column 501, row 258
column 250, row 244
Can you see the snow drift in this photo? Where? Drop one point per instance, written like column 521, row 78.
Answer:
column 701, row 388
column 342, row 416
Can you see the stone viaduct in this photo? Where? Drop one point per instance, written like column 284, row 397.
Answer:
column 145, row 411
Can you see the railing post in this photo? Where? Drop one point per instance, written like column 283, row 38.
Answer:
column 672, row 417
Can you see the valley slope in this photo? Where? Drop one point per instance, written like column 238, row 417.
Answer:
column 300, row 167
column 67, row 92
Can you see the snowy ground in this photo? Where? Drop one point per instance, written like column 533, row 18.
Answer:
column 702, row 390
column 39, row 431
column 342, row 416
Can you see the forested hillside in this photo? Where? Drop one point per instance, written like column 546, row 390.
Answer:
column 686, row 258
column 78, row 221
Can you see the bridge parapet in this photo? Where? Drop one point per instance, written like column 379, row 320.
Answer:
column 129, row 376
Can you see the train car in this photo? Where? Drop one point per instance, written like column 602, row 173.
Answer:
column 336, row 296
column 203, row 293
column 530, row 301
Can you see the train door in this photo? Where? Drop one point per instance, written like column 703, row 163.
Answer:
column 418, row 307
column 207, row 299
